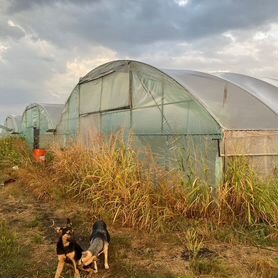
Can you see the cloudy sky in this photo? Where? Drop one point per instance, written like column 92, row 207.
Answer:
column 46, row 45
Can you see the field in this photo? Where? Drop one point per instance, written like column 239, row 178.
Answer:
column 161, row 226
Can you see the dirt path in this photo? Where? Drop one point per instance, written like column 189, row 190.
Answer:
column 30, row 220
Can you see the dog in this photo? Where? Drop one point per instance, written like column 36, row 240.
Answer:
column 68, row 250
column 99, row 243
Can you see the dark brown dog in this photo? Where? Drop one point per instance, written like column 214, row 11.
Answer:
column 68, row 250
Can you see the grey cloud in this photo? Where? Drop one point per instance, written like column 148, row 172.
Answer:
column 121, row 24
column 7, row 31
column 23, row 74
column 15, row 6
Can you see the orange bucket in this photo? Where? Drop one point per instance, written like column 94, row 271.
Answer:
column 39, row 155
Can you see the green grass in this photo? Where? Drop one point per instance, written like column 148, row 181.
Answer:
column 128, row 270
column 214, row 268
column 35, row 222
column 256, row 235
column 13, row 151
column 10, row 252
column 37, row 239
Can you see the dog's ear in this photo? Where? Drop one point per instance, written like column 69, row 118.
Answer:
column 59, row 231
column 69, row 224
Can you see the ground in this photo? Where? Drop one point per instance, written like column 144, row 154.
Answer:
column 27, row 245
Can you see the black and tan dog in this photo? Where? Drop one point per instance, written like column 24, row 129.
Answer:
column 99, row 243
column 67, row 248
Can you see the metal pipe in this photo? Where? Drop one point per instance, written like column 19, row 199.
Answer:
column 249, row 154
column 4, row 127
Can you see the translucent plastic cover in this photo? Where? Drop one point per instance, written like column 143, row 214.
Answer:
column 41, row 116
column 232, row 106
column 13, row 123
column 262, row 90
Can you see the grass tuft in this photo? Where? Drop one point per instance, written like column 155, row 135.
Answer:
column 209, row 267
column 10, row 250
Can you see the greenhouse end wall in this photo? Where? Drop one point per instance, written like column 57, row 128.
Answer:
column 13, row 124
column 258, row 148
column 39, row 123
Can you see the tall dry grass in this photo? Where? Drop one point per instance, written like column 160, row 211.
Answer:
column 245, row 197
column 112, row 182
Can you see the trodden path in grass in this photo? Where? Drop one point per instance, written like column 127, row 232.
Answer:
column 27, row 220
column 30, row 220
column 133, row 253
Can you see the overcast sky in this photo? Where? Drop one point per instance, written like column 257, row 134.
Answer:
column 46, row 45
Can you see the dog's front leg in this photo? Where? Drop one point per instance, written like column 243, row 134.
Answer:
column 105, row 251
column 76, row 271
column 95, row 267
column 61, row 263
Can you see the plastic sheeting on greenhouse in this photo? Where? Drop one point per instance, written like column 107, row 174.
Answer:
column 234, row 107
column 39, row 122
column 262, row 90
column 152, row 106
column 181, row 115
column 271, row 80
column 13, row 124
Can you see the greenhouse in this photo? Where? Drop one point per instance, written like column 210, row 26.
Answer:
column 39, row 123
column 12, row 124
column 189, row 119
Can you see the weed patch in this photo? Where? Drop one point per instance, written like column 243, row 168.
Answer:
column 13, row 151
column 209, row 267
